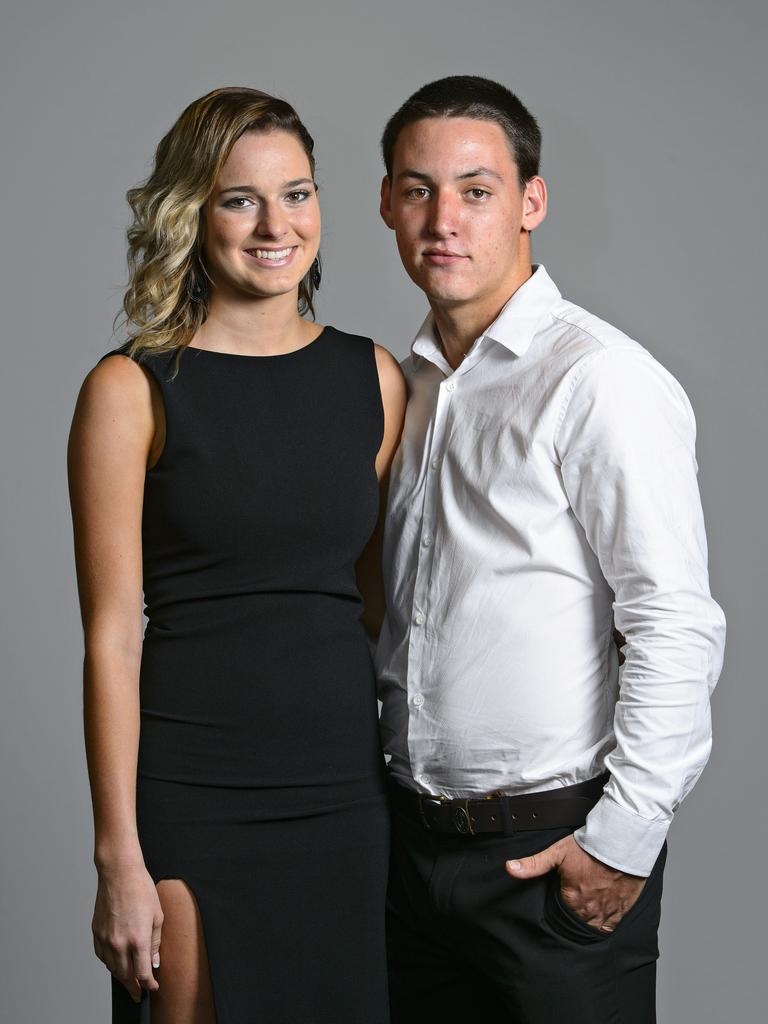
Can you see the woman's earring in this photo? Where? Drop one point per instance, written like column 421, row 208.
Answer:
column 315, row 273
column 198, row 288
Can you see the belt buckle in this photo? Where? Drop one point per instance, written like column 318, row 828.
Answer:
column 462, row 820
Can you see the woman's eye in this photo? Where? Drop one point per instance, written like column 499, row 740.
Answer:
column 298, row 196
column 238, row 202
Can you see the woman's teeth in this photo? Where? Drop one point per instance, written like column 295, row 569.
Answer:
column 271, row 254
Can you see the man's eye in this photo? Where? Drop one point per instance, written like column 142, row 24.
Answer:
column 417, row 193
column 479, row 193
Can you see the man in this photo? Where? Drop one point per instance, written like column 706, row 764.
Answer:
column 544, row 491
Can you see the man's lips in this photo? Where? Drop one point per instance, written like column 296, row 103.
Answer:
column 442, row 257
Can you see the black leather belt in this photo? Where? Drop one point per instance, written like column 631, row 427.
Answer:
column 558, row 808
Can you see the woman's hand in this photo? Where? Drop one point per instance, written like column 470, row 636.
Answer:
column 127, row 920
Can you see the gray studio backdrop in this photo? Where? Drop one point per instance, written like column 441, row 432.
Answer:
column 654, row 151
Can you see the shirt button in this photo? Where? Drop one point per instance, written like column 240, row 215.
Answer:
column 450, row 386
column 418, row 618
column 425, row 779
column 435, row 463
column 426, row 540
column 418, row 700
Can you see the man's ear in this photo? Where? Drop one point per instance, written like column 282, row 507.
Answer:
column 534, row 203
column 385, row 208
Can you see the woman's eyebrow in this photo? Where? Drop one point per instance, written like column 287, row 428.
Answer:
column 249, row 188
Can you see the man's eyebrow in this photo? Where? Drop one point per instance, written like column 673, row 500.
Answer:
column 480, row 172
column 249, row 188
column 475, row 172
column 419, row 175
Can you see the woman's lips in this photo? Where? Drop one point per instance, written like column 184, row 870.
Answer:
column 272, row 257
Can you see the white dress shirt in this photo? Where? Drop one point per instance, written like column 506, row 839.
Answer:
column 543, row 490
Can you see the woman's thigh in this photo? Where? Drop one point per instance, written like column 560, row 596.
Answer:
column 185, row 995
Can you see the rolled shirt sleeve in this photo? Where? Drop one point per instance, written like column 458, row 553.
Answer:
column 626, row 444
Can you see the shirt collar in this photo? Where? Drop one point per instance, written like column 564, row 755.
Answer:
column 513, row 328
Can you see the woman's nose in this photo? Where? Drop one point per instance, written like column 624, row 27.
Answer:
column 271, row 222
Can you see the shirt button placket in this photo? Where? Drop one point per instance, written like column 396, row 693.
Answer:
column 418, row 639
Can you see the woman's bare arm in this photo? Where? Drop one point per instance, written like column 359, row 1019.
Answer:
column 111, row 440
column 369, row 576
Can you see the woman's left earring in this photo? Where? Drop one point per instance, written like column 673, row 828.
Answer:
column 315, row 273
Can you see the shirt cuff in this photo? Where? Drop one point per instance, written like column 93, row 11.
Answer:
column 620, row 838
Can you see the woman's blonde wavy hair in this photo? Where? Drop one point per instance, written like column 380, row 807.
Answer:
column 166, row 299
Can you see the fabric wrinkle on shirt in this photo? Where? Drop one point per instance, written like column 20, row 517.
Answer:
column 544, row 488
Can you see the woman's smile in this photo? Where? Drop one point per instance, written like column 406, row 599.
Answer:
column 272, row 257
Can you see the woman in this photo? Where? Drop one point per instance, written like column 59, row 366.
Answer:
column 232, row 457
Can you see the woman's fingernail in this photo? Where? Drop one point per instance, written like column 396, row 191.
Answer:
column 156, row 960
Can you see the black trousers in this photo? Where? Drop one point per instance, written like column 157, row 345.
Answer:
column 466, row 942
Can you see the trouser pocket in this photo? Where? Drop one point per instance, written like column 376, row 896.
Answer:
column 564, row 921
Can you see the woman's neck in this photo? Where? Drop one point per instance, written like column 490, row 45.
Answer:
column 259, row 327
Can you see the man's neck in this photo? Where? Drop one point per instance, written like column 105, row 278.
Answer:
column 459, row 325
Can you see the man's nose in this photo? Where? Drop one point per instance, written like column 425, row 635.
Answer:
column 443, row 215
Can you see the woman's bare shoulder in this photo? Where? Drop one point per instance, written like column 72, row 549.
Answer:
column 390, row 374
column 117, row 382
column 115, row 400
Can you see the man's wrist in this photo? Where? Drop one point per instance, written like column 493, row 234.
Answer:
column 621, row 839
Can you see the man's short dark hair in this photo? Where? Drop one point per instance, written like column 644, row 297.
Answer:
column 478, row 98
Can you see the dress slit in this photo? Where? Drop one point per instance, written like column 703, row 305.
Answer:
column 124, row 1010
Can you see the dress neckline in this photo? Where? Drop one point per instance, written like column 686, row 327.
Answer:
column 256, row 358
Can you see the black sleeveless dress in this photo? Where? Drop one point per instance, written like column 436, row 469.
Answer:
column 260, row 775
